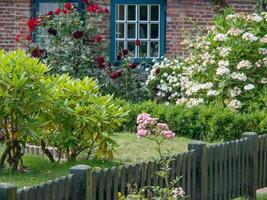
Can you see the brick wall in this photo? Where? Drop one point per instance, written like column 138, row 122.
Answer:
column 14, row 15
column 13, row 19
column 182, row 14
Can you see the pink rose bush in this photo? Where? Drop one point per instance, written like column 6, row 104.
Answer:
column 158, row 132
column 148, row 125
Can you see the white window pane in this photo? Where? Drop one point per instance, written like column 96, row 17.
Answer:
column 44, row 8
column 119, row 47
column 120, row 12
column 143, row 13
column 143, row 49
column 154, row 12
column 143, row 31
column 131, row 47
column 120, row 30
column 131, row 13
column 154, row 49
column 131, row 31
column 154, row 31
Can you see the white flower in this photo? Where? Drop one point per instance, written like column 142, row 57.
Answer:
column 222, row 71
column 239, row 76
column 178, row 192
column 223, row 63
column 249, row 37
column 249, row 87
column 194, row 102
column 234, row 32
column 181, row 101
column 264, row 80
column 213, row 93
column 220, row 37
column 235, row 92
column 244, row 64
column 234, row 104
column 231, row 16
column 254, row 17
column 224, row 51
column 264, row 39
column 262, row 51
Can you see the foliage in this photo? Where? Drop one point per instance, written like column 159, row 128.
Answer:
column 23, row 97
column 86, row 121
column 124, row 77
column 67, row 113
column 206, row 122
column 171, row 192
column 68, row 41
column 228, row 64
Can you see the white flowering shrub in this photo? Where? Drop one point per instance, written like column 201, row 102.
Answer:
column 163, row 81
column 229, row 64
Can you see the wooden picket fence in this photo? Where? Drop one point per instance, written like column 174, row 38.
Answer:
column 221, row 171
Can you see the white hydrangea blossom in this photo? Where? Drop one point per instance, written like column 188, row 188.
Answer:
column 234, row 104
column 244, row 64
column 194, row 102
column 236, row 91
column 249, row 87
column 220, row 37
column 264, row 80
column 234, row 32
column 239, row 76
column 224, row 51
column 222, row 71
column 213, row 93
column 249, row 37
column 254, row 17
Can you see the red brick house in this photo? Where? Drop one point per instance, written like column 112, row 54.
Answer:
column 159, row 24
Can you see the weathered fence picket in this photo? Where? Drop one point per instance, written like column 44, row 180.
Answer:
column 215, row 172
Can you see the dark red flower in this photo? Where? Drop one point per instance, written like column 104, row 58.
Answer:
column 57, row 11
column 50, row 13
column 125, row 52
column 18, row 37
column 52, row 31
column 138, row 43
column 98, row 38
column 101, row 66
column 68, row 6
column 157, row 71
column 115, row 75
column 101, row 60
column 106, row 11
column 77, row 34
column 86, row 1
column 28, row 38
column 132, row 65
column 36, row 52
column 66, row 11
column 32, row 24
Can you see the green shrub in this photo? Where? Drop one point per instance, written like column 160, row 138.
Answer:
column 210, row 123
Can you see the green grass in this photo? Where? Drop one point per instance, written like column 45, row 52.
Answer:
column 130, row 150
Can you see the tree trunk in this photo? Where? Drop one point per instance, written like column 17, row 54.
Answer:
column 47, row 152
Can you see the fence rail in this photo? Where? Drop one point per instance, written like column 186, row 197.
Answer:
column 221, row 171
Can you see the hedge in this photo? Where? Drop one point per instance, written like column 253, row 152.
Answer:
column 209, row 123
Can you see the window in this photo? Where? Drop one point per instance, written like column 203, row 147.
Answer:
column 133, row 20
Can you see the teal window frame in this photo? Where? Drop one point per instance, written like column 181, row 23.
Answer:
column 162, row 26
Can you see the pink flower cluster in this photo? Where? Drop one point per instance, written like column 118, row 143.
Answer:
column 148, row 125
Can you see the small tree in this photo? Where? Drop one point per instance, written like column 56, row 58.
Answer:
column 23, row 97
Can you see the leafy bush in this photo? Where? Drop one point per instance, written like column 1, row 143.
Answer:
column 23, row 97
column 67, row 113
column 86, row 121
column 206, row 122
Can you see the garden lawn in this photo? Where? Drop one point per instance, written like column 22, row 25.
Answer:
column 130, row 150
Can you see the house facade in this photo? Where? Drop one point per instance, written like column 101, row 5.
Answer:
column 158, row 24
